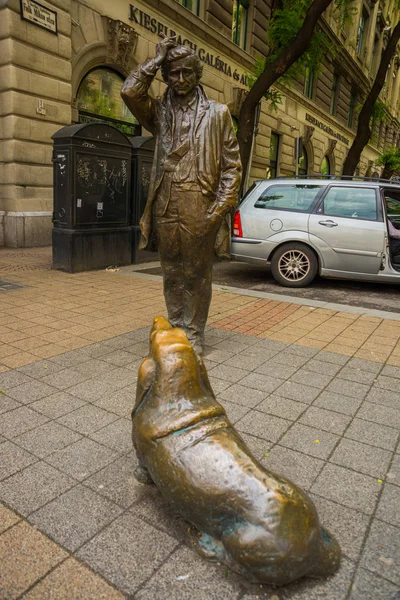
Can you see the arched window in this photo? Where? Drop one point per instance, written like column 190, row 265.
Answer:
column 303, row 162
column 325, row 166
column 99, row 101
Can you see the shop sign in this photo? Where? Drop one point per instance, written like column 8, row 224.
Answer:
column 326, row 128
column 139, row 17
column 39, row 15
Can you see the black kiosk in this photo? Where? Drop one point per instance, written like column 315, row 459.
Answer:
column 92, row 198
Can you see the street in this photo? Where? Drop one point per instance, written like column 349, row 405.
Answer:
column 354, row 293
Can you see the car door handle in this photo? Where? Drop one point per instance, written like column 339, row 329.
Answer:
column 328, row 223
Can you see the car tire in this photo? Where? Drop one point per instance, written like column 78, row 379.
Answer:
column 294, row 265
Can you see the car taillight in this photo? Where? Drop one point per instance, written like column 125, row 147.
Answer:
column 237, row 225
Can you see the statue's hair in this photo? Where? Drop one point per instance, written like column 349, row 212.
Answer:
column 177, row 53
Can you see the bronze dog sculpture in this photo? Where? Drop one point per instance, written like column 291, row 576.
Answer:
column 255, row 522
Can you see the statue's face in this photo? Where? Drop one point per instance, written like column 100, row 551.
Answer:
column 182, row 77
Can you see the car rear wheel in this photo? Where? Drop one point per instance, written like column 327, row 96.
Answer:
column 294, row 265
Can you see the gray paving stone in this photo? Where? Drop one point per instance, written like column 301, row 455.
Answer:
column 218, row 385
column 297, row 391
column 227, row 373
column 127, row 552
column 36, row 485
column 382, row 551
column 367, row 586
column 260, row 351
column 264, row 383
column 13, row 459
column 40, row 369
column 384, row 397
column 118, row 358
column 65, row 378
column 362, row 458
column 120, row 402
column 241, row 395
column 327, row 420
column 263, row 426
column 10, row 379
column 243, row 339
column 358, row 375
column 31, row 391
column 74, row 517
column 333, row 588
column 117, row 482
column 305, row 377
column 302, row 350
column 155, row 510
column 46, row 439
column 332, row 357
column 338, row 403
column 288, row 358
column 387, row 383
column 320, row 366
column 297, row 467
column 92, row 389
column 57, row 405
column 348, row 388
column 384, row 415
column 393, row 476
column 7, row 404
column 242, row 361
column 388, row 507
column 282, row 407
column 347, row 525
column 365, row 365
column 372, row 434
column 187, row 576
column 87, row 419
column 116, row 435
column 81, row 459
column 273, row 345
column 309, row 440
column 219, row 356
column 276, row 370
column 352, row 489
column 118, row 377
column 257, row 446
column 230, row 346
column 390, row 371
column 75, row 357
column 94, row 367
column 18, row 421
column 234, row 411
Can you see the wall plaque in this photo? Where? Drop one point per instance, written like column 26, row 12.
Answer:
column 39, row 15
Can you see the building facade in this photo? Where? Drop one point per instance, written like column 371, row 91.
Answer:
column 64, row 61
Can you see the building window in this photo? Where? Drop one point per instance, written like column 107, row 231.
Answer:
column 362, row 30
column 302, row 165
column 335, row 93
column 99, row 100
column 239, row 22
column 309, row 83
column 325, row 166
column 353, row 99
column 272, row 171
column 192, row 5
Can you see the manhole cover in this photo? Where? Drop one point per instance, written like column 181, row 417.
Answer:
column 8, row 286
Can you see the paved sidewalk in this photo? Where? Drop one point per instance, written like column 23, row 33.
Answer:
column 314, row 393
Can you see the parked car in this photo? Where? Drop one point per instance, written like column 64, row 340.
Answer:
column 305, row 227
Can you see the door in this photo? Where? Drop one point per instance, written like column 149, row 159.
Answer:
column 348, row 231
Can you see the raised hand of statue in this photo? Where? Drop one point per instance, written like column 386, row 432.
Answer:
column 162, row 48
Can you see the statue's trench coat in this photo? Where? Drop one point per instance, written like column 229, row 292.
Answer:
column 218, row 167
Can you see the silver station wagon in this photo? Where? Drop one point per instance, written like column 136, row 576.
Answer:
column 334, row 228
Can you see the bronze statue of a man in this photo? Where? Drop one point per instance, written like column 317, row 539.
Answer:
column 194, row 183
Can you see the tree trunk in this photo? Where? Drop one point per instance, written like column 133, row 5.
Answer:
column 363, row 129
column 387, row 173
column 271, row 73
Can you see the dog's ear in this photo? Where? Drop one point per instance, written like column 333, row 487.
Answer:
column 146, row 377
column 204, row 376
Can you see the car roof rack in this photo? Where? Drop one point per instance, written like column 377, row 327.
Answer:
column 341, row 178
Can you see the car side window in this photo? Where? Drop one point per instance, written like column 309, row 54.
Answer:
column 288, row 197
column 393, row 207
column 353, row 203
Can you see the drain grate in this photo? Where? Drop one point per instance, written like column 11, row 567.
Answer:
column 9, row 286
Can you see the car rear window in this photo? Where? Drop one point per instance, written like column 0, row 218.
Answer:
column 354, row 203
column 288, row 197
